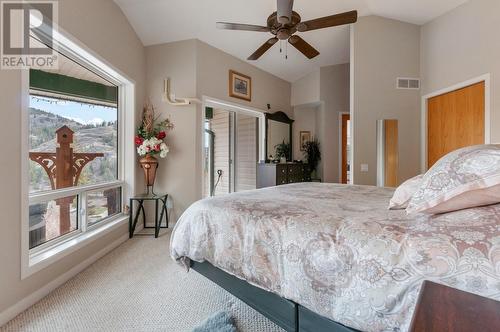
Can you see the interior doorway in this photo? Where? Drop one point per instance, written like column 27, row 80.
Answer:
column 387, row 153
column 345, row 120
column 231, row 148
column 455, row 119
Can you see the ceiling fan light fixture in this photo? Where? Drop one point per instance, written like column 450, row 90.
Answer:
column 283, row 34
column 301, row 27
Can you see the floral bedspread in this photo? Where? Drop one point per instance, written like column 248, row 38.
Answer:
column 339, row 251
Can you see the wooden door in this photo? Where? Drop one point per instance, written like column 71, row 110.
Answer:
column 455, row 120
column 345, row 119
column 391, row 153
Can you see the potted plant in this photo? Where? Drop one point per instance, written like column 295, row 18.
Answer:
column 312, row 153
column 150, row 142
column 283, row 151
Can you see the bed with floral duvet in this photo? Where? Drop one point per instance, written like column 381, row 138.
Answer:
column 338, row 251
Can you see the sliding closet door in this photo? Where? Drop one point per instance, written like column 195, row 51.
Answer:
column 246, row 152
column 455, row 120
column 221, row 127
column 231, row 152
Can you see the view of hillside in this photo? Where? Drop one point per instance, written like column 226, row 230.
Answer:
column 95, row 137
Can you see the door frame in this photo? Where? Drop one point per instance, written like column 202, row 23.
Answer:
column 341, row 114
column 215, row 103
column 486, row 78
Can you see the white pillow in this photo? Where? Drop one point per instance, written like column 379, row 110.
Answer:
column 404, row 193
column 462, row 179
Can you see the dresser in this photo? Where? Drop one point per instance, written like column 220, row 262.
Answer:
column 269, row 174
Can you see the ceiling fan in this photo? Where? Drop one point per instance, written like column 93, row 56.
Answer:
column 285, row 22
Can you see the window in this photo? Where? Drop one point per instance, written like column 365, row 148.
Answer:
column 75, row 118
column 73, row 143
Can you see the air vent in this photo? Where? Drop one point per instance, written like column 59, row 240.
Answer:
column 408, row 83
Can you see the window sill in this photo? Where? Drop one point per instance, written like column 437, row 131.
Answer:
column 40, row 260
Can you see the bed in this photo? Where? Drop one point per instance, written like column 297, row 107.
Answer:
column 315, row 256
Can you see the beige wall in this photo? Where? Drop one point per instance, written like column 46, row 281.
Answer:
column 383, row 50
column 462, row 45
column 334, row 93
column 108, row 34
column 180, row 173
column 305, row 120
column 328, row 91
column 198, row 69
column 306, row 90
column 213, row 67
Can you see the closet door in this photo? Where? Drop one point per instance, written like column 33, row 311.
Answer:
column 455, row 120
column 246, row 151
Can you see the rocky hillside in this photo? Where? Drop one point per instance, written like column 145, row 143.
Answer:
column 88, row 138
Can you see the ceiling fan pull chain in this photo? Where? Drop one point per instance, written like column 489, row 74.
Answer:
column 280, row 46
column 286, row 51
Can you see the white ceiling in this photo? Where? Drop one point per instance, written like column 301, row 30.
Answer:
column 161, row 21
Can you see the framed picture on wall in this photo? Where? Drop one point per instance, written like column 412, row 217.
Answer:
column 305, row 136
column 240, row 86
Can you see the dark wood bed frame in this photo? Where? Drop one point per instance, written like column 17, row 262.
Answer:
column 287, row 314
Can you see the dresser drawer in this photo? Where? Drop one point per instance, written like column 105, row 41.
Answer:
column 306, row 173
column 281, row 174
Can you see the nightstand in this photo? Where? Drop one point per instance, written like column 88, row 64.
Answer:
column 160, row 201
column 441, row 308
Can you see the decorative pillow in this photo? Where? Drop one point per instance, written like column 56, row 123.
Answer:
column 404, row 193
column 462, row 179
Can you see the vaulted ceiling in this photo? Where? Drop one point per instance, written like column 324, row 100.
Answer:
column 161, row 21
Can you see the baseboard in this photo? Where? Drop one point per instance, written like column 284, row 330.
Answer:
column 33, row 298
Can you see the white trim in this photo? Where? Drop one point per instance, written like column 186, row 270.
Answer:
column 351, row 101
column 486, row 78
column 24, row 174
column 28, row 301
column 238, row 109
column 70, row 46
column 380, row 153
column 340, row 144
column 45, row 258
column 49, row 195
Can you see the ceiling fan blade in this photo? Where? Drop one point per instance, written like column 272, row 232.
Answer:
column 284, row 12
column 244, row 27
column 303, row 46
column 263, row 49
column 328, row 21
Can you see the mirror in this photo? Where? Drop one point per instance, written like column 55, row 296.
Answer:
column 278, row 136
column 387, row 153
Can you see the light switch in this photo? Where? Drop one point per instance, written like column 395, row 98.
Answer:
column 364, row 167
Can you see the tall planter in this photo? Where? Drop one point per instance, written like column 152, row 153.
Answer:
column 149, row 165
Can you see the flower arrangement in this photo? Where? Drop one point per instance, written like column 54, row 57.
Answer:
column 151, row 134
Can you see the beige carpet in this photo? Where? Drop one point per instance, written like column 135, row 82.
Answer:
column 136, row 287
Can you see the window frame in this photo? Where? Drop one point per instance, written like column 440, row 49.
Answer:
column 35, row 259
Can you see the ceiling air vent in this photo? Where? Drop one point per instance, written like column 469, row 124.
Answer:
column 408, row 83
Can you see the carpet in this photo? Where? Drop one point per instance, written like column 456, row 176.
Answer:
column 219, row 322
column 136, row 287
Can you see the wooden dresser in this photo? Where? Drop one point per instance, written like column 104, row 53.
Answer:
column 269, row 174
